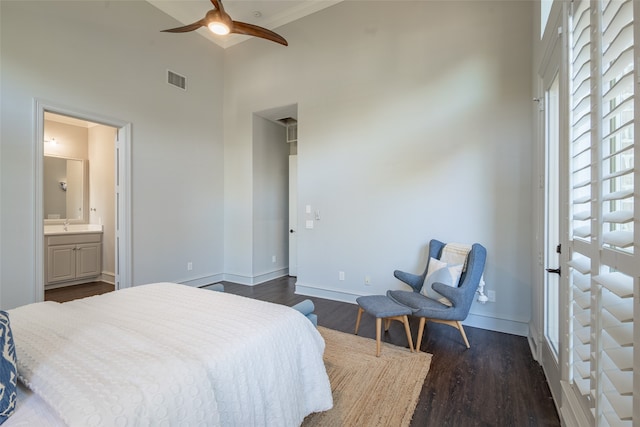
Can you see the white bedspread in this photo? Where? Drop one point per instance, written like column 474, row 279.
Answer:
column 168, row 354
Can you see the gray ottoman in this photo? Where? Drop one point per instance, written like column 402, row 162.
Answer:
column 383, row 307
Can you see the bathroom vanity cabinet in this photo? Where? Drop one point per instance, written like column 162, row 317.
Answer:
column 72, row 258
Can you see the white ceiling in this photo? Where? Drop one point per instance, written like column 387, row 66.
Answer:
column 269, row 14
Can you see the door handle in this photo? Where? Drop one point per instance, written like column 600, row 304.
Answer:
column 554, row 270
column 292, row 231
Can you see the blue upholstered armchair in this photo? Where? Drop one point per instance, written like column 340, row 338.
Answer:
column 460, row 296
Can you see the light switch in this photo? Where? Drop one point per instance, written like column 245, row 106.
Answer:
column 307, row 209
column 309, row 223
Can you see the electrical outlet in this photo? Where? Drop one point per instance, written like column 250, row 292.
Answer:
column 273, row 258
column 491, row 295
column 189, row 266
column 367, row 280
column 341, row 275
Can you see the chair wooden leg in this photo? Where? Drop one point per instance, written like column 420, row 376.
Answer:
column 360, row 310
column 464, row 336
column 420, row 332
column 456, row 324
column 387, row 323
column 378, row 333
column 405, row 320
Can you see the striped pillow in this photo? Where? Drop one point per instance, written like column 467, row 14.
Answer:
column 441, row 272
column 8, row 370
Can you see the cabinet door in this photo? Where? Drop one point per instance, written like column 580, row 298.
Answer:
column 88, row 261
column 61, row 263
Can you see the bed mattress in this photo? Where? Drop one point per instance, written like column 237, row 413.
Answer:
column 169, row 354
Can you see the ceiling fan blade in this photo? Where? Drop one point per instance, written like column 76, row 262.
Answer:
column 254, row 30
column 217, row 4
column 186, row 28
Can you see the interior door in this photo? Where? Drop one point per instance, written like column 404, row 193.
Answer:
column 551, row 250
column 293, row 215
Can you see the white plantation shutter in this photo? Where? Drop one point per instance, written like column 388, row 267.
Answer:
column 580, row 195
column 580, row 119
column 617, row 148
column 603, row 268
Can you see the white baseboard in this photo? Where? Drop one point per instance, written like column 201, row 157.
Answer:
column 331, row 294
column 108, row 277
column 490, row 323
column 202, row 281
column 506, row 326
column 255, row 280
column 534, row 342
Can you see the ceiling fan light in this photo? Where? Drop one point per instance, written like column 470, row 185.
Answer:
column 218, row 28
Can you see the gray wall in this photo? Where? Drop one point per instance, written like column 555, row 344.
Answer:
column 270, row 200
column 110, row 59
column 415, row 123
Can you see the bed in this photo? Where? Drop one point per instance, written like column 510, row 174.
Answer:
column 167, row 354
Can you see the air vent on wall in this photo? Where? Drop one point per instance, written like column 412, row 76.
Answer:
column 292, row 128
column 176, row 80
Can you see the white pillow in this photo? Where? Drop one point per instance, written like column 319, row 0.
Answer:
column 442, row 272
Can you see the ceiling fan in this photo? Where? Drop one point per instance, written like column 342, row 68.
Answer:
column 219, row 22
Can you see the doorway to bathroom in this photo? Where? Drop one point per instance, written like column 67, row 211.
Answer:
column 102, row 146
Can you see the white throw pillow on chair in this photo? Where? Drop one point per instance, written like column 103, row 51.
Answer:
column 442, row 272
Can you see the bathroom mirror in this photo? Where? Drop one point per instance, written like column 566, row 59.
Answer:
column 64, row 190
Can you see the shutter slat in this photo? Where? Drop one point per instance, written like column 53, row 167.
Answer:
column 583, row 318
column 618, row 195
column 583, row 231
column 583, row 352
column 616, row 282
column 584, row 336
column 622, row 334
column 582, row 264
column 583, row 300
column 622, row 405
column 618, row 173
column 582, row 215
column 583, row 369
column 582, row 282
column 616, row 15
column 581, row 200
column 618, row 238
column 624, row 105
column 622, row 357
column 582, row 184
column 621, row 309
column 622, row 381
column 618, row 67
column 615, row 133
column 622, row 40
column 618, row 217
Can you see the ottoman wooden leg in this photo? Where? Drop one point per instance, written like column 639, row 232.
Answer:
column 360, row 310
column 378, row 333
column 420, row 332
column 405, row 320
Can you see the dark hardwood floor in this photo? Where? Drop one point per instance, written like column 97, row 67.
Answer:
column 494, row 383
column 69, row 293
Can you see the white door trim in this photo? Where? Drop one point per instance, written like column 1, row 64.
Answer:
column 293, row 215
column 123, row 218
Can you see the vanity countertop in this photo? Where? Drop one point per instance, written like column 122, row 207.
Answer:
column 57, row 229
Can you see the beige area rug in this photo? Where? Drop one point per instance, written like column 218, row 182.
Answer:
column 369, row 390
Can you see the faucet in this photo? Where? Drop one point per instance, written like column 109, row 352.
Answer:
column 65, row 225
